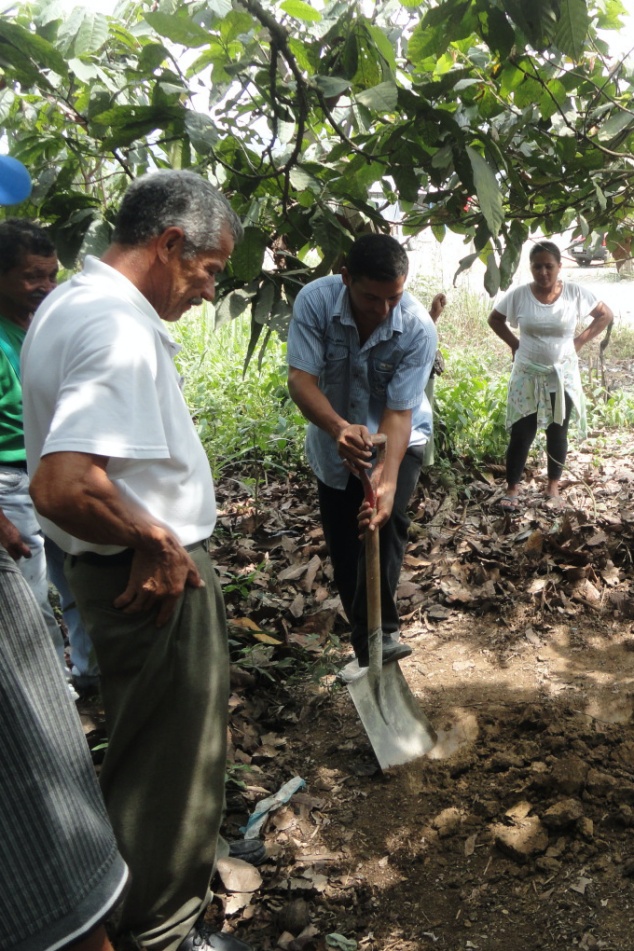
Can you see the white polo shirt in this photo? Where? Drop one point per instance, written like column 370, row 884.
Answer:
column 98, row 377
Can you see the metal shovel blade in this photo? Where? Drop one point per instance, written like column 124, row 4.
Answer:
column 397, row 728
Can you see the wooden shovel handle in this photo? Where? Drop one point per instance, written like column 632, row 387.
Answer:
column 371, row 483
column 373, row 580
column 372, row 558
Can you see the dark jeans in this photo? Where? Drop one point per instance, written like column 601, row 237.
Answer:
column 339, row 509
column 523, row 432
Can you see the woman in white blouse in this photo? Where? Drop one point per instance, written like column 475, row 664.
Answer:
column 545, row 385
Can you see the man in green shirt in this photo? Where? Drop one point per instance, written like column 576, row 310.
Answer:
column 28, row 272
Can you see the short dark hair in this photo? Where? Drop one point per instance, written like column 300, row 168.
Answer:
column 19, row 237
column 180, row 199
column 377, row 256
column 547, row 247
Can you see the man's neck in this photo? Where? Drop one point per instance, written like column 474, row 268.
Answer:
column 19, row 320
column 365, row 328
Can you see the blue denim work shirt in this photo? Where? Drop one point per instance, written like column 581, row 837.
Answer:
column 390, row 370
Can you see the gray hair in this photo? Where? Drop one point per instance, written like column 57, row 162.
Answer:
column 177, row 199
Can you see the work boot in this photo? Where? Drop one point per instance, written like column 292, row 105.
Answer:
column 392, row 650
column 248, row 850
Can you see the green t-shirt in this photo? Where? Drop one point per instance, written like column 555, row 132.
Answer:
column 11, row 426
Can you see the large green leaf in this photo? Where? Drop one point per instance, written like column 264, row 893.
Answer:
column 220, row 8
column 407, row 181
column 572, row 28
column 233, row 25
column 178, row 28
column 39, row 51
column 515, row 238
column 536, row 19
column 84, row 31
column 152, row 56
column 498, row 32
column 85, row 72
column 465, row 263
column 487, row 190
column 263, row 303
column 528, row 92
column 332, row 85
column 383, row 44
column 492, row 276
column 129, row 123
column 248, row 255
column 7, row 98
column 300, row 11
column 202, row 131
column 303, row 180
column 381, row 98
column 615, row 125
column 231, row 306
column 328, row 235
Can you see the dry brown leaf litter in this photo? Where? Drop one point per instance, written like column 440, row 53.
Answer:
column 517, row 832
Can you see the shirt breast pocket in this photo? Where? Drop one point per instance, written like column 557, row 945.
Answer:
column 381, row 373
column 335, row 369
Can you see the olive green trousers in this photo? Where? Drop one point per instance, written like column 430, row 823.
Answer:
column 165, row 692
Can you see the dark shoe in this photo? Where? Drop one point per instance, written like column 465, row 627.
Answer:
column 248, row 850
column 86, row 687
column 392, row 650
column 201, row 938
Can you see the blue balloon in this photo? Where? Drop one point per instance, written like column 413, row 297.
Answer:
column 15, row 181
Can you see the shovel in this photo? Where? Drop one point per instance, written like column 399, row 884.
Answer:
column 397, row 728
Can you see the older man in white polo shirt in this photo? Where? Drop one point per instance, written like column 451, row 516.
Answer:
column 123, row 485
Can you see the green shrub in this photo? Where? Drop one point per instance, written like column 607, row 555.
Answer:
column 470, row 412
column 614, row 412
column 246, row 421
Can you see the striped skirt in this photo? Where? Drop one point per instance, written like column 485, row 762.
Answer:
column 60, row 871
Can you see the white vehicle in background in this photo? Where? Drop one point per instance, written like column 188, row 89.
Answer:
column 587, row 250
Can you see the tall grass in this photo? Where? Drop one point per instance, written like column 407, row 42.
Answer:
column 247, row 422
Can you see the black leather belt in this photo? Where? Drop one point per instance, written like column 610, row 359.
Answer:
column 119, row 558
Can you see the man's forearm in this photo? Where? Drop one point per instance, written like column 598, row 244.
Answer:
column 83, row 501
column 312, row 403
column 352, row 439
column 397, row 426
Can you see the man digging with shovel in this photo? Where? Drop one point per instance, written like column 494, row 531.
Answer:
column 360, row 351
